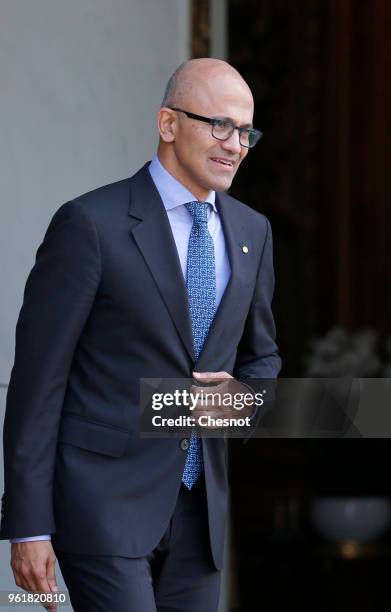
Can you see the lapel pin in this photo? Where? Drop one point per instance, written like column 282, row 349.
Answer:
column 245, row 249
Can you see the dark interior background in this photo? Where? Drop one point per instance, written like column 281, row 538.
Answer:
column 320, row 72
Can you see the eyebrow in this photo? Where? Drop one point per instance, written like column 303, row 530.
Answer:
column 246, row 125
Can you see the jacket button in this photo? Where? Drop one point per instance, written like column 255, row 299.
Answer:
column 184, row 444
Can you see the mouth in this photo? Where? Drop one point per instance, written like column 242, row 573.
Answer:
column 223, row 162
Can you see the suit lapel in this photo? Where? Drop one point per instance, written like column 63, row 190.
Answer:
column 152, row 232
column 154, row 238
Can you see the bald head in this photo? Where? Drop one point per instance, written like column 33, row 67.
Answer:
column 199, row 93
column 194, row 76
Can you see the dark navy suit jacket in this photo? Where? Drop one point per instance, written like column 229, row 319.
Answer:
column 105, row 305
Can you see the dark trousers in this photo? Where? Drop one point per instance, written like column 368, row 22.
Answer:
column 177, row 576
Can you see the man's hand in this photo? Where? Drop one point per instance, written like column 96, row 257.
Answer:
column 33, row 567
column 225, row 386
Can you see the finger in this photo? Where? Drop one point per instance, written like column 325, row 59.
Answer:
column 211, row 376
column 42, row 586
column 194, row 389
column 52, row 582
column 209, row 408
column 51, row 574
column 40, row 582
column 219, row 387
column 207, row 411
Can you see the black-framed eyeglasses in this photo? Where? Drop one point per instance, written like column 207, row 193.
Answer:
column 222, row 129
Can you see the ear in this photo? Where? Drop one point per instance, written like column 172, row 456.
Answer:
column 166, row 122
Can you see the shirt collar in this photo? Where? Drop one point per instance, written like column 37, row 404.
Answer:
column 172, row 192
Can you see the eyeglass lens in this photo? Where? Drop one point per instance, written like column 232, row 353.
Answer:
column 223, row 130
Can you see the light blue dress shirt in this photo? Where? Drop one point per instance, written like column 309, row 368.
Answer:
column 174, row 196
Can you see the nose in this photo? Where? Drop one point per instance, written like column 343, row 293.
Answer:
column 232, row 143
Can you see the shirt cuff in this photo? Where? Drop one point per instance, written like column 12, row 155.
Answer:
column 31, row 539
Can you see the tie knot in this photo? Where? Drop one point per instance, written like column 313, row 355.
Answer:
column 199, row 211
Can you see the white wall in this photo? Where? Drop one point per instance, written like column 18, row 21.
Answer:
column 80, row 83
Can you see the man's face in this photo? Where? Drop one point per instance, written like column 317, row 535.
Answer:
column 201, row 162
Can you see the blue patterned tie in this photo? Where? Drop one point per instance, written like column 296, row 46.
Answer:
column 201, row 287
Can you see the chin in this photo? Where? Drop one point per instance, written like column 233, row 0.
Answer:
column 218, row 184
column 213, row 183
column 222, row 186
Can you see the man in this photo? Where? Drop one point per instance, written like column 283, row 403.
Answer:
column 160, row 275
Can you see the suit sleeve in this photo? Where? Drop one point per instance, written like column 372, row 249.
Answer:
column 257, row 356
column 58, row 297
